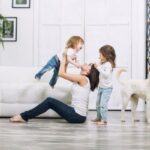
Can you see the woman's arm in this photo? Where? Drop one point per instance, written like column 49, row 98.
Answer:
column 71, row 77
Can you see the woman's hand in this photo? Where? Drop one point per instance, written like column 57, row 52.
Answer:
column 71, row 77
column 65, row 51
column 96, row 65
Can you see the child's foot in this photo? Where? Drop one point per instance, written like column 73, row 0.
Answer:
column 37, row 77
column 52, row 86
column 102, row 123
column 96, row 120
column 17, row 119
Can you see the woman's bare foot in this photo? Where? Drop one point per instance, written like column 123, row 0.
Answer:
column 96, row 120
column 102, row 123
column 17, row 119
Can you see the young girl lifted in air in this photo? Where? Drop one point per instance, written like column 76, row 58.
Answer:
column 73, row 46
column 105, row 67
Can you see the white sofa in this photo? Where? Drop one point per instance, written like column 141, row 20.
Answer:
column 19, row 91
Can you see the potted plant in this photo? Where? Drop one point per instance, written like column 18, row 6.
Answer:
column 2, row 18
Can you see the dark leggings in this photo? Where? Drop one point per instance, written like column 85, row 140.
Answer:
column 66, row 112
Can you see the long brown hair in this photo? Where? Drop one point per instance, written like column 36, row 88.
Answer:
column 93, row 77
column 73, row 41
column 109, row 53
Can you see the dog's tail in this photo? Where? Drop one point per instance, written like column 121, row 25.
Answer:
column 118, row 75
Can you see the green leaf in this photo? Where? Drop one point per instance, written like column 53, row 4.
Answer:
column 1, row 42
column 2, row 18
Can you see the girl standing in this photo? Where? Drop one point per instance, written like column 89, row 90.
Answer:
column 105, row 67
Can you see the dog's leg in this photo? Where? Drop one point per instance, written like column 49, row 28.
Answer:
column 124, row 106
column 148, row 111
column 134, row 103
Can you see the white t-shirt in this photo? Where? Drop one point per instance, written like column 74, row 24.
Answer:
column 70, row 52
column 105, row 76
column 80, row 98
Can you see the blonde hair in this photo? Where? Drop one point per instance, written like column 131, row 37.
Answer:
column 73, row 41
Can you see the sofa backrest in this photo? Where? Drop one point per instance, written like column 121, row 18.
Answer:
column 16, row 80
column 21, row 74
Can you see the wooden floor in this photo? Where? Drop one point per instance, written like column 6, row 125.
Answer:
column 56, row 134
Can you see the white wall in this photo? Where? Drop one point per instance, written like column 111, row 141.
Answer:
column 44, row 28
column 18, row 53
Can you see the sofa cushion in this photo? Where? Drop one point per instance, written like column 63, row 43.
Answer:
column 19, row 88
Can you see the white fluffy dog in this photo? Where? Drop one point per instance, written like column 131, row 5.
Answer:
column 133, row 90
